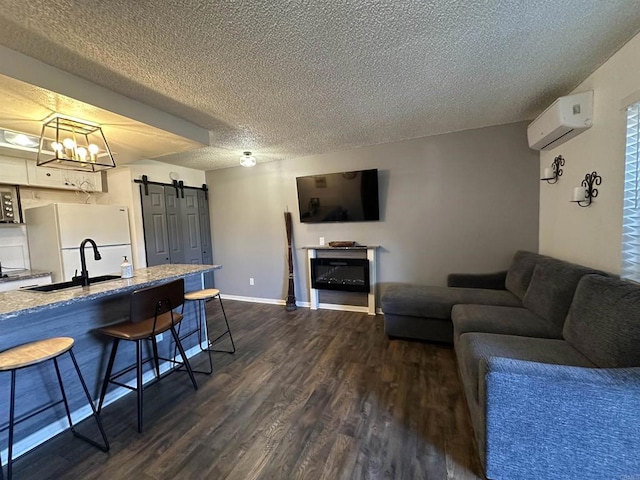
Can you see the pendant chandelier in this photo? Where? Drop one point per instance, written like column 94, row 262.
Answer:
column 73, row 144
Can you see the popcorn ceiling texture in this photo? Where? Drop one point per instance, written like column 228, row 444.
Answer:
column 287, row 79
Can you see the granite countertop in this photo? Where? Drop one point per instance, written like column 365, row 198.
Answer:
column 19, row 302
column 13, row 275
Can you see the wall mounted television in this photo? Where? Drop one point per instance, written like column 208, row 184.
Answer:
column 339, row 197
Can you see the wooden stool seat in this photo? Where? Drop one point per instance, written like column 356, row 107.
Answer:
column 33, row 353
column 143, row 329
column 205, row 294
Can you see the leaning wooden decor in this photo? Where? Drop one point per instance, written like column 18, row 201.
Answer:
column 290, row 305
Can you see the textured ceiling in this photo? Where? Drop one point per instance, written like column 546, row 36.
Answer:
column 285, row 78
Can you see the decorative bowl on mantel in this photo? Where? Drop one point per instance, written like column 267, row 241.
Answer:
column 342, row 243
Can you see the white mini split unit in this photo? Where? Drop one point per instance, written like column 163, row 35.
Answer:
column 564, row 119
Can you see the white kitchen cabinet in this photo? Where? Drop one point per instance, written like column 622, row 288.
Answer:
column 63, row 179
column 13, row 171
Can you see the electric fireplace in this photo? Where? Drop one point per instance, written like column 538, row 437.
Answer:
column 343, row 274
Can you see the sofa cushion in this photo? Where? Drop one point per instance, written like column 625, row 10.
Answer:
column 436, row 302
column 604, row 321
column 503, row 320
column 552, row 287
column 474, row 349
column 520, row 271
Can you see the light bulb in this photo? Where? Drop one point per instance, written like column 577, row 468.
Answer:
column 69, row 148
column 57, row 147
column 247, row 160
column 93, row 151
column 82, row 154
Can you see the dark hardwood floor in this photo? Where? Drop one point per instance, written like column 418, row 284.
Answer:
column 308, row 395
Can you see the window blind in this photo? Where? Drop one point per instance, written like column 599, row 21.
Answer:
column 631, row 210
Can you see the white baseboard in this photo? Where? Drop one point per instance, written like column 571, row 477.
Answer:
column 269, row 301
column 324, row 306
column 32, row 441
column 343, row 308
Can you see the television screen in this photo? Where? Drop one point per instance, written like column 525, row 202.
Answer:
column 339, row 197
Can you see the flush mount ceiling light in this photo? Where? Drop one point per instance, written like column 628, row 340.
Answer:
column 76, row 145
column 247, row 160
column 20, row 139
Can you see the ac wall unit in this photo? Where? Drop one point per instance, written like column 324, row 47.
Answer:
column 564, row 119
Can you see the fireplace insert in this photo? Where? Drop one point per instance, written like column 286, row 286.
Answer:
column 343, row 274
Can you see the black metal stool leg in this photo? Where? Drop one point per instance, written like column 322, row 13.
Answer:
column 106, row 447
column 184, row 357
column 107, row 377
column 66, row 407
column 202, row 320
column 139, row 382
column 199, row 330
column 156, row 360
column 12, row 409
column 228, row 331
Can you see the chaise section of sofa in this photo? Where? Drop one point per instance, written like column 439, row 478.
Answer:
column 424, row 312
column 560, row 408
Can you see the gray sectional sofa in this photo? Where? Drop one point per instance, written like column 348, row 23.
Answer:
column 552, row 378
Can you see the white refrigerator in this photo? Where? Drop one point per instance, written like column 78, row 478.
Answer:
column 55, row 232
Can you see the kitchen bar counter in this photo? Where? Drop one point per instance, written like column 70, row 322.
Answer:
column 77, row 312
column 21, row 302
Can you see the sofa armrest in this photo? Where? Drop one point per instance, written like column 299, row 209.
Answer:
column 553, row 421
column 492, row 281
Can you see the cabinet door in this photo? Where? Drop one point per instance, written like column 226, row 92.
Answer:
column 13, row 171
column 89, row 181
column 154, row 220
column 44, row 176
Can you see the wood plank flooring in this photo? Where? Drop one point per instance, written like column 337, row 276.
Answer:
column 308, row 395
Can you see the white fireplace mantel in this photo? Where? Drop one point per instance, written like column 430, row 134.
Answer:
column 371, row 298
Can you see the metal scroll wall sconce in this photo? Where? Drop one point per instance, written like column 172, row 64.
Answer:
column 553, row 173
column 584, row 195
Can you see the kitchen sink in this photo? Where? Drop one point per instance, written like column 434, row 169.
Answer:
column 53, row 287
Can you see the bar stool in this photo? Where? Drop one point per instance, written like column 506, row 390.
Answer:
column 151, row 313
column 35, row 353
column 202, row 297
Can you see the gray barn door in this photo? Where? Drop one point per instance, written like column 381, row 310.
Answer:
column 154, row 220
column 176, row 229
column 174, row 225
column 192, row 248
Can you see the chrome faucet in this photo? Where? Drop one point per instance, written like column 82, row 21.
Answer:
column 83, row 278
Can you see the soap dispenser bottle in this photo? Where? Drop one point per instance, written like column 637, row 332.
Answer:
column 126, row 269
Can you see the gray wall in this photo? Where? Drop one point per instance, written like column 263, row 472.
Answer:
column 459, row 202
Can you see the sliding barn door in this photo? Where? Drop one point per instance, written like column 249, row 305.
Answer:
column 154, row 221
column 176, row 228
column 190, row 217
